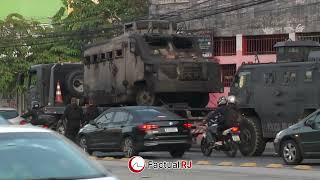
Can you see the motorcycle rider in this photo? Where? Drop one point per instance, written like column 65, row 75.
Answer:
column 217, row 117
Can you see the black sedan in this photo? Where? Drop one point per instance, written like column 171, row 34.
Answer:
column 137, row 129
column 300, row 141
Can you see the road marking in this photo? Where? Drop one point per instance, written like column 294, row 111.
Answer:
column 93, row 157
column 108, row 158
column 203, row 163
column 249, row 164
column 225, row 164
column 274, row 166
column 302, row 167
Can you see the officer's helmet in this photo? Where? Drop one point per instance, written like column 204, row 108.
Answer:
column 222, row 101
column 35, row 105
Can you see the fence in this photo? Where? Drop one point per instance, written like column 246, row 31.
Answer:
column 308, row 36
column 228, row 71
column 224, row 46
column 262, row 44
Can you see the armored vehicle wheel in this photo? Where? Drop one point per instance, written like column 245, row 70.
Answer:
column 145, row 98
column 252, row 142
column 74, row 83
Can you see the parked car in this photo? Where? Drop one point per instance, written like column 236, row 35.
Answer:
column 4, row 121
column 300, row 141
column 36, row 153
column 137, row 129
column 12, row 116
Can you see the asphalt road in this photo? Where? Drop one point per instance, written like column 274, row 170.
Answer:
column 199, row 172
column 212, row 168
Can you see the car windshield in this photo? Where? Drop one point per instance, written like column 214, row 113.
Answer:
column 152, row 114
column 42, row 156
column 9, row 114
column 3, row 121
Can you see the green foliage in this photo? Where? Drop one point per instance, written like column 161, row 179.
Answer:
column 27, row 42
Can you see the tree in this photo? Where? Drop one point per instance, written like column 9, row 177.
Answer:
column 27, row 42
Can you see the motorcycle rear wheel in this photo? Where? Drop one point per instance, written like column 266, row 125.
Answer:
column 205, row 148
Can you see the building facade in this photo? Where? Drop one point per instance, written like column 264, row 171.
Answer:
column 243, row 31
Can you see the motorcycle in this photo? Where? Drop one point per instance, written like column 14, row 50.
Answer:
column 230, row 141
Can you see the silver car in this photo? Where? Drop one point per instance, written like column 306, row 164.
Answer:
column 37, row 153
column 12, row 116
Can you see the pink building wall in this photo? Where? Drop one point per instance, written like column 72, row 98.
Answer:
column 238, row 59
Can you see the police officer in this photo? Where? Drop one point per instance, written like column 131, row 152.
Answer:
column 92, row 112
column 73, row 115
column 33, row 113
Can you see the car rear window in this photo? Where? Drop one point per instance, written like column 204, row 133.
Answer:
column 9, row 114
column 43, row 156
column 156, row 114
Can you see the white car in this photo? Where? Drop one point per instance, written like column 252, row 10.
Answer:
column 12, row 116
column 36, row 153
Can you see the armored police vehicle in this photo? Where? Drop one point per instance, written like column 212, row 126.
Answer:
column 273, row 96
column 150, row 64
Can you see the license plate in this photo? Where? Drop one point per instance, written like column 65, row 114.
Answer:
column 171, row 129
column 235, row 138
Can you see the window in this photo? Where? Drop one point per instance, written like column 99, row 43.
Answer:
column 242, row 79
column 289, row 77
column 269, row 78
column 9, row 114
column 224, row 46
column 120, row 117
column 103, row 56
column 228, row 71
column 109, row 55
column 95, row 58
column 308, row 76
column 33, row 78
column 119, row 53
column 87, row 60
column 105, row 118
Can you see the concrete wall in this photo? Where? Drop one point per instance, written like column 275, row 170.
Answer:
column 277, row 17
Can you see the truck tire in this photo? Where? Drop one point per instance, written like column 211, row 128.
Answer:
column 145, row 97
column 252, row 142
column 74, row 83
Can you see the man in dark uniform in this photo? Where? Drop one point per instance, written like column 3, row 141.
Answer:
column 34, row 113
column 73, row 115
column 92, row 112
column 218, row 116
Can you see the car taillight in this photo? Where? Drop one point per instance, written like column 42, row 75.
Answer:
column 146, row 127
column 23, row 122
column 234, row 129
column 45, row 126
column 187, row 125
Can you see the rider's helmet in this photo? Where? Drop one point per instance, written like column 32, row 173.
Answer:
column 222, row 101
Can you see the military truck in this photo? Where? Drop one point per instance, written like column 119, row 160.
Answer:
column 150, row 64
column 273, row 96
